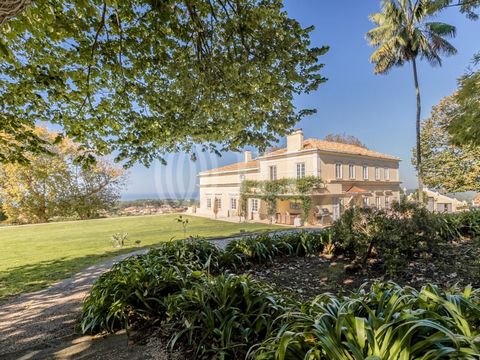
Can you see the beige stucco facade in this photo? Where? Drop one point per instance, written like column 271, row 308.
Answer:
column 351, row 176
column 437, row 202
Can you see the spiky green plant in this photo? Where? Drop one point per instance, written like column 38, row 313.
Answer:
column 223, row 317
column 136, row 288
column 384, row 321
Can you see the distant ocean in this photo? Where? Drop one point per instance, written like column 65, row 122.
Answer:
column 157, row 196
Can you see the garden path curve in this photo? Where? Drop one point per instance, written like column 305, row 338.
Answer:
column 41, row 325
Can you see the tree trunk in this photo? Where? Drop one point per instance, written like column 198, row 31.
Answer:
column 419, row 150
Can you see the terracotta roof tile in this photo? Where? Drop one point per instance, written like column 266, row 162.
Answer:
column 254, row 164
column 356, row 190
column 336, row 147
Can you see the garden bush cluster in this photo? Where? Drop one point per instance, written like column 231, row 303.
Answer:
column 384, row 321
column 189, row 286
column 398, row 234
column 137, row 288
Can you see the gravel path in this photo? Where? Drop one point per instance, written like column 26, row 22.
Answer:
column 34, row 322
column 41, row 325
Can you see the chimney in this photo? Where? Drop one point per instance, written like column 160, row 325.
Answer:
column 295, row 140
column 248, row 156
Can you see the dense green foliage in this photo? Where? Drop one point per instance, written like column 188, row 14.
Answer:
column 464, row 125
column 264, row 248
column 396, row 235
column 138, row 287
column 224, row 316
column 384, row 321
column 280, row 189
column 464, row 224
column 399, row 234
column 186, row 285
column 448, row 165
column 142, row 78
column 55, row 186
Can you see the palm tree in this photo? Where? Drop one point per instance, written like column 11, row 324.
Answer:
column 403, row 34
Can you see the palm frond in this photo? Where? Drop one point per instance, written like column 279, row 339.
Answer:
column 403, row 33
column 441, row 29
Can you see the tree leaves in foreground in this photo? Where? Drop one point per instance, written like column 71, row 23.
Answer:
column 53, row 185
column 143, row 78
column 447, row 166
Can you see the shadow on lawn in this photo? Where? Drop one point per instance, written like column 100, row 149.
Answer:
column 35, row 321
column 36, row 325
column 33, row 277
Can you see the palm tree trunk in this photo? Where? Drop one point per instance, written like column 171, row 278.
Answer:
column 419, row 150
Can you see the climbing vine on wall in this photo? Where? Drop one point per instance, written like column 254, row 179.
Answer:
column 281, row 189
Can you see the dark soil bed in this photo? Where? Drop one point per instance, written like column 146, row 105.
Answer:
column 455, row 263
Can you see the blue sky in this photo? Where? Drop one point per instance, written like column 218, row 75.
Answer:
column 378, row 109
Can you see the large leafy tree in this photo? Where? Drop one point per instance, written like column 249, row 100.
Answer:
column 146, row 77
column 54, row 185
column 405, row 34
column 465, row 117
column 447, row 166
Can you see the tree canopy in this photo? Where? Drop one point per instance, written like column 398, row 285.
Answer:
column 53, row 185
column 142, row 78
column 345, row 139
column 465, row 117
column 450, row 167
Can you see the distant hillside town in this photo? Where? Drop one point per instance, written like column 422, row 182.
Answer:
column 152, row 207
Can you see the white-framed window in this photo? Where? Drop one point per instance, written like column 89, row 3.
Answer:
column 365, row 172
column 209, row 203
column 366, row 201
column 338, row 171
column 219, row 203
column 233, row 203
column 377, row 173
column 242, row 177
column 300, row 170
column 351, row 171
column 387, row 174
column 273, row 172
column 378, row 203
column 387, row 202
column 255, row 205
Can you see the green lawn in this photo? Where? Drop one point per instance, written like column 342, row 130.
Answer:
column 34, row 256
